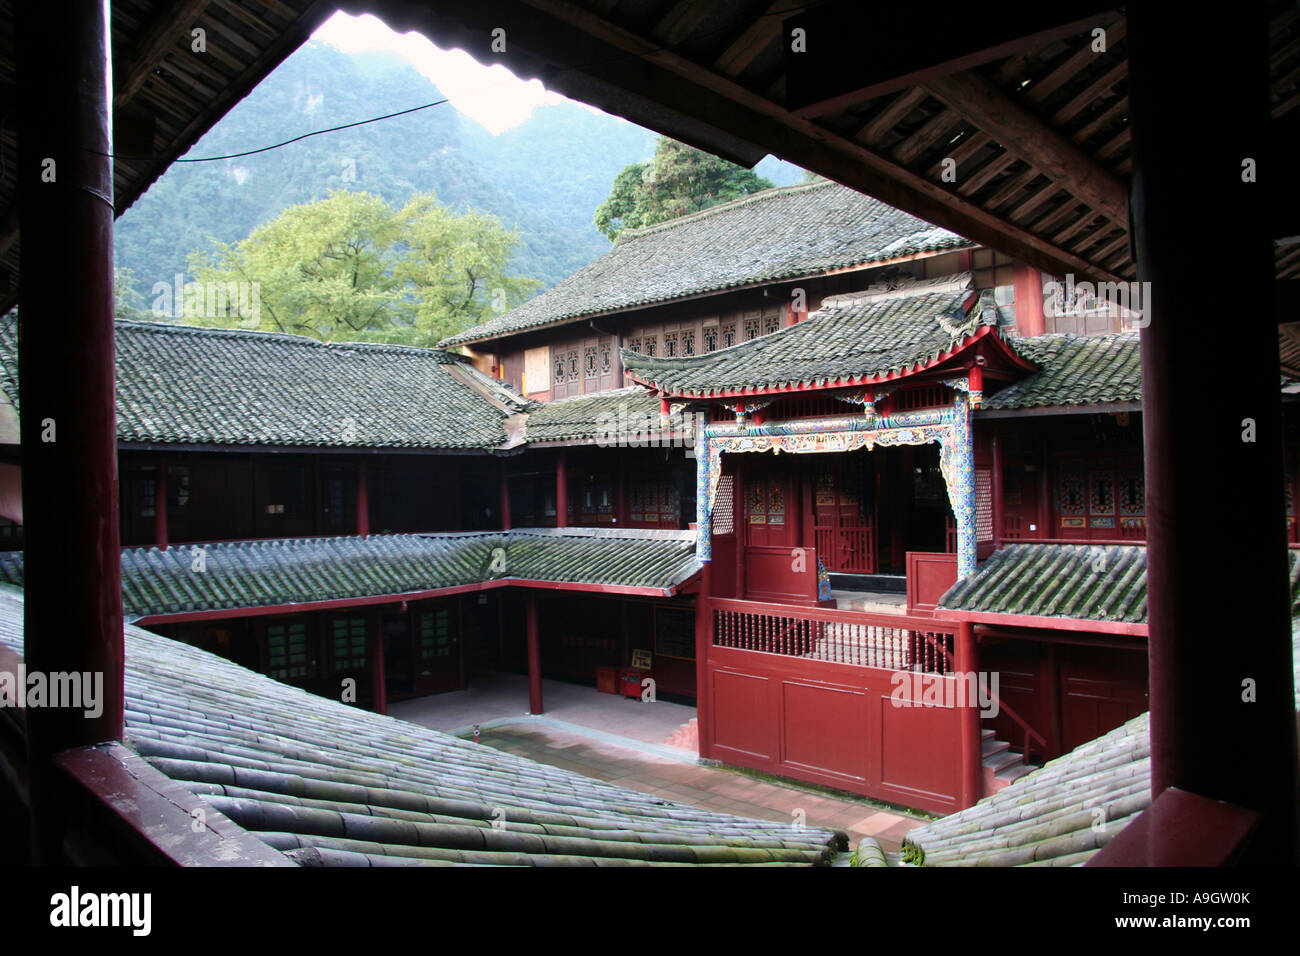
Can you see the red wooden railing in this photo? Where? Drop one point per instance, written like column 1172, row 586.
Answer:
column 1024, row 725
column 888, row 641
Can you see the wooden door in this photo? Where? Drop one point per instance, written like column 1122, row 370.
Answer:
column 436, row 651
column 844, row 512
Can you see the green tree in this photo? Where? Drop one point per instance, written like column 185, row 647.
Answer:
column 351, row 268
column 678, row 180
column 127, row 302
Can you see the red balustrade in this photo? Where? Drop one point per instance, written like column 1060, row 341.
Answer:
column 889, row 641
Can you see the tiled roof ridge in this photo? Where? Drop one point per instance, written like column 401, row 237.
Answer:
column 955, row 282
column 969, row 321
column 775, row 192
column 289, row 338
column 588, row 396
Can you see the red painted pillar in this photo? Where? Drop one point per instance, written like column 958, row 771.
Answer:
column 73, row 608
column 378, row 684
column 1029, row 300
column 1218, row 684
column 363, row 501
column 561, row 493
column 966, row 656
column 703, row 643
column 534, row 657
column 505, row 497
column 160, row 508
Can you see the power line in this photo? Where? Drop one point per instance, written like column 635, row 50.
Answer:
column 267, row 149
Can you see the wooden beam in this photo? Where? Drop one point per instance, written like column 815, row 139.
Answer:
column 890, row 116
column 679, row 22
column 833, row 74
column 1029, row 137
column 667, row 77
column 752, row 41
column 163, row 33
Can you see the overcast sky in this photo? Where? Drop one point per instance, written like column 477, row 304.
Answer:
column 493, row 95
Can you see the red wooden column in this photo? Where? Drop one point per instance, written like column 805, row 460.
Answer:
column 160, row 508
column 703, row 643
column 505, row 497
column 73, row 608
column 1030, row 320
column 534, row 657
column 378, row 684
column 363, row 500
column 1221, row 670
column 561, row 493
column 966, row 655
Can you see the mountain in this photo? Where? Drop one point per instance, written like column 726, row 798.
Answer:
column 544, row 177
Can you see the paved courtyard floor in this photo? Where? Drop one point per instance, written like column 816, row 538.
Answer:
column 621, row 740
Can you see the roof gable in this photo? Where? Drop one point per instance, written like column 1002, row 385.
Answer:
column 851, row 340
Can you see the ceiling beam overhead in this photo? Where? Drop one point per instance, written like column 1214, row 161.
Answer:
column 677, row 84
column 1034, row 141
column 832, row 73
column 163, row 33
column 753, row 40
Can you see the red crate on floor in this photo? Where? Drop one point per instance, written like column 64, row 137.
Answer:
column 629, row 682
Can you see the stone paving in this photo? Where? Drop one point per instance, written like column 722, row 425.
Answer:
column 621, row 740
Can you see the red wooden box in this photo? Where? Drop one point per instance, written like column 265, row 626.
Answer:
column 629, row 682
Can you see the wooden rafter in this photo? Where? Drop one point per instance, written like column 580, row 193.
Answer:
column 669, row 78
column 163, row 33
column 752, row 41
column 1029, row 137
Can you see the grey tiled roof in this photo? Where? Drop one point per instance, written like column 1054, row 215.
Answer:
column 1047, row 817
column 332, row 785
column 1075, row 370
column 247, row 574
column 1077, row 581
column 774, row 235
column 864, row 336
column 1084, row 582
column 181, row 384
column 574, row 419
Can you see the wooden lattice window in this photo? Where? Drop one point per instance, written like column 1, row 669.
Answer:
column 589, row 361
column 751, row 329
column 723, row 521
column 670, row 345
column 433, row 635
column 286, row 651
column 765, row 501
column 729, row 335
column 634, row 344
column 771, row 323
column 606, row 359
column 559, row 368
column 711, row 338
column 983, row 504
column 688, row 342
column 573, row 365
column 651, row 345
column 348, row 643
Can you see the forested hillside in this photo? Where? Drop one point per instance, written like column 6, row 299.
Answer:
column 545, row 177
